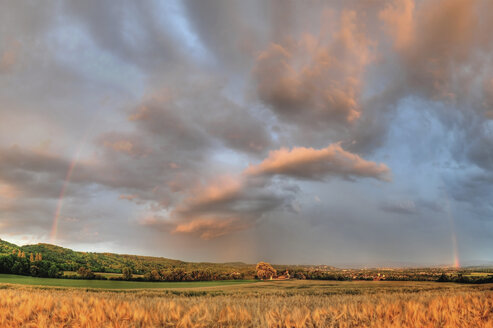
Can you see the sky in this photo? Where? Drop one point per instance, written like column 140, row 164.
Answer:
column 347, row 133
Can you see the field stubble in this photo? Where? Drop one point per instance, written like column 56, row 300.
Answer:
column 290, row 304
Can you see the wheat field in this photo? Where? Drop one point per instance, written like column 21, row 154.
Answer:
column 448, row 307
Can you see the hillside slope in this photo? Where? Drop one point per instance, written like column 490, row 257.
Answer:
column 6, row 247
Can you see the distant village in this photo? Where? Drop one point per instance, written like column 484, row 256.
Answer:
column 325, row 272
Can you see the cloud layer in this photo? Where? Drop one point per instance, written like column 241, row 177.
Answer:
column 249, row 130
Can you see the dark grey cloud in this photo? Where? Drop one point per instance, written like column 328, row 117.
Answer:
column 399, row 207
column 197, row 116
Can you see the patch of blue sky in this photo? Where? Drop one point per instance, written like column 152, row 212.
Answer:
column 172, row 12
column 233, row 161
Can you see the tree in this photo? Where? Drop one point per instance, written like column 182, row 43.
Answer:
column 127, row 273
column 152, row 275
column 155, row 275
column 53, row 271
column 85, row 273
column 265, row 270
column 6, row 263
column 17, row 268
column 34, row 270
column 300, row 275
column 443, row 278
column 31, row 258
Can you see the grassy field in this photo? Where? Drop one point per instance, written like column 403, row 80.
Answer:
column 479, row 274
column 104, row 274
column 111, row 284
column 264, row 304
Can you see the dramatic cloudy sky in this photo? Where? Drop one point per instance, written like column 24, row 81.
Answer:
column 336, row 132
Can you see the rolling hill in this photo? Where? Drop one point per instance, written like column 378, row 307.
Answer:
column 70, row 260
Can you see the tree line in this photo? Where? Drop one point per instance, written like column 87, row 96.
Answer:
column 18, row 263
column 173, row 274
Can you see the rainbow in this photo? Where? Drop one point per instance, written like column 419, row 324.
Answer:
column 66, row 181
column 453, row 235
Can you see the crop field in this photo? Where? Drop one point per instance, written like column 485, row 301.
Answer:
column 263, row 304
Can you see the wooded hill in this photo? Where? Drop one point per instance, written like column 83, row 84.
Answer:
column 68, row 260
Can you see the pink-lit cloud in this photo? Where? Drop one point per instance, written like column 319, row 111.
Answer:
column 310, row 163
column 9, row 57
column 316, row 80
column 210, row 228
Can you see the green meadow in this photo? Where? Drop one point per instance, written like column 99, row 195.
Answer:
column 112, row 284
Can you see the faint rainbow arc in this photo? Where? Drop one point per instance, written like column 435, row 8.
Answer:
column 66, row 181
column 453, row 233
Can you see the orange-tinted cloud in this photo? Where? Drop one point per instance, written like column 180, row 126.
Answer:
column 314, row 80
column 8, row 191
column 210, row 210
column 9, row 57
column 128, row 197
column 399, row 22
column 123, row 143
column 434, row 40
column 220, row 190
column 310, row 163
column 210, row 228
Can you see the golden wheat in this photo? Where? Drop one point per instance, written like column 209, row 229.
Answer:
column 26, row 307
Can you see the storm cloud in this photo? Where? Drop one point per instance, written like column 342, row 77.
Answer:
column 230, row 130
